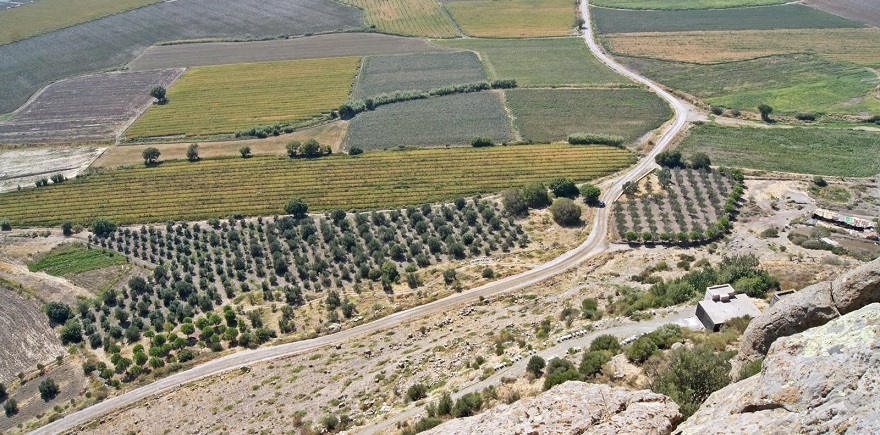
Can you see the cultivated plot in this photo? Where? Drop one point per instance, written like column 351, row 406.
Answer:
column 28, row 65
column 21, row 166
column 823, row 151
column 541, row 62
column 261, row 185
column 866, row 11
column 89, row 108
column 514, row 18
column 27, row 339
column 407, row 17
column 423, row 72
column 680, row 5
column 435, row 121
column 227, row 98
column 550, row 115
column 759, row 18
column 312, row 47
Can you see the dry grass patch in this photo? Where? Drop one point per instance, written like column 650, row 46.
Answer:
column 514, row 18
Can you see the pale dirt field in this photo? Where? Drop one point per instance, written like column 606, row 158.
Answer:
column 20, row 166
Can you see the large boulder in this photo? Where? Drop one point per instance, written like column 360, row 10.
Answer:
column 571, row 408
column 824, row 380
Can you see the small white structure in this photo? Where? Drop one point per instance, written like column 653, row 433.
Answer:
column 721, row 304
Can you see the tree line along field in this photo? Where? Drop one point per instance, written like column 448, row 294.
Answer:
column 423, row 72
column 514, row 18
column 435, row 121
column 541, row 61
column 260, row 185
column 792, row 16
column 226, row 98
column 88, row 108
column 115, row 40
column 423, row 18
column 679, row 5
column 550, row 115
column 822, row 151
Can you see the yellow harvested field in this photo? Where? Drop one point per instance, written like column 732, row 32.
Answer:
column 407, row 17
column 514, row 18
column 227, row 98
column 861, row 45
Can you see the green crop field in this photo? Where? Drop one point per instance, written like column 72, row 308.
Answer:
column 224, row 99
column 48, row 15
column 790, row 84
column 407, row 17
column 261, row 185
column 761, row 18
column 76, row 258
column 545, row 115
column 541, row 62
column 514, row 18
column 682, row 5
column 436, row 121
column 822, row 151
column 424, row 71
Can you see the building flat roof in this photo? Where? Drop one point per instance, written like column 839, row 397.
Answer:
column 737, row 306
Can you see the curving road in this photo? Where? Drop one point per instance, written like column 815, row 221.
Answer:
column 595, row 244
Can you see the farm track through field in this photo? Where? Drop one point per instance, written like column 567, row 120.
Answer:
column 595, row 244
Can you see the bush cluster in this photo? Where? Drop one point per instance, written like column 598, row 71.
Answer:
column 595, row 139
column 353, row 107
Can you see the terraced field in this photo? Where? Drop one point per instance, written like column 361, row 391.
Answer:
column 407, row 17
column 679, row 5
column 117, row 39
column 541, row 62
column 224, row 99
column 514, row 18
column 385, row 74
column 260, row 185
column 550, row 115
column 823, row 151
column 436, row 121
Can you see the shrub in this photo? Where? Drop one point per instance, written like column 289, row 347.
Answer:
column 514, row 202
column 467, row 405
column 595, row 139
column 245, row 151
column 809, row 117
column 535, row 195
column 535, row 366
column 444, row 405
column 48, row 389
column 591, row 193
column 5, row 225
column 606, row 342
column 488, row 273
column 565, row 212
column 669, row 159
column 641, row 349
column 701, row 160
column 592, row 362
column 40, row 182
column 10, row 407
column 751, row 369
column 692, row 375
column 770, row 233
column 765, row 111
column 103, row 227
column 71, row 332
column 503, row 84
column 717, row 110
column 481, row 142
column 819, row 181
column 559, row 371
column 355, row 151
column 564, row 188
column 58, row 312
column 58, row 178
column 416, row 392
column 192, row 152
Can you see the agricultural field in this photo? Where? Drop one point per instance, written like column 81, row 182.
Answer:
column 688, row 206
column 790, row 84
column 541, row 62
column 550, row 115
column 514, row 18
column 865, row 11
column 407, row 17
column 422, row 72
column 761, row 18
column 310, row 47
column 679, row 5
column 223, row 99
column 822, row 151
column 116, row 40
column 859, row 46
column 88, row 108
column 21, row 165
column 48, row 15
column 261, row 185
column 75, row 258
column 436, row 121
column 27, row 339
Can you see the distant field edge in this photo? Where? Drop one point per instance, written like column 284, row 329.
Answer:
column 676, row 5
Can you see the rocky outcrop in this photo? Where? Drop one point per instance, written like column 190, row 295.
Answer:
column 808, row 308
column 824, row 380
column 573, row 408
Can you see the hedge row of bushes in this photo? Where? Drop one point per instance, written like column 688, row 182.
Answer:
column 595, row 139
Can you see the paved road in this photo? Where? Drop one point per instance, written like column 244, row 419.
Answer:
column 595, row 244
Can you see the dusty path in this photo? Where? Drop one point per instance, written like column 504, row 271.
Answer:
column 595, row 244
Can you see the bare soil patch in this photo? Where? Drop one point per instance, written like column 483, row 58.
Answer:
column 865, row 11
column 20, row 166
column 27, row 338
column 71, row 383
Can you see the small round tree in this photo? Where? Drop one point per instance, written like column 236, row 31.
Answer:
column 591, row 194
column 151, row 155
column 564, row 188
column 296, row 207
column 158, row 93
column 536, row 365
column 765, row 112
column 565, row 212
column 245, row 151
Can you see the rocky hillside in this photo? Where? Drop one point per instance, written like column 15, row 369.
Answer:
column 824, row 380
column 571, row 408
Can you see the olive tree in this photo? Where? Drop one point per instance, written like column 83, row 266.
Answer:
column 151, row 155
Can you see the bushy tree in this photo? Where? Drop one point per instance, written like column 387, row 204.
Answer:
column 151, row 155
column 48, row 389
column 58, row 312
column 700, row 160
column 102, row 227
column 355, row 151
column 669, row 159
column 480, row 142
column 641, row 349
column 592, row 362
column 10, row 407
column 296, row 207
column 444, row 405
column 467, row 405
column 535, row 195
column 564, row 188
column 591, row 193
column 765, row 112
column 71, row 332
column 692, row 375
column 605, row 342
column 311, row 148
column 67, row 228
column 559, row 371
column 536, row 365
column 514, row 202
column 245, row 151
column 192, row 152
column 416, row 392
column 159, row 93
column 565, row 212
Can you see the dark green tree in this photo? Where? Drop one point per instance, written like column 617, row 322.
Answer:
column 296, row 207
column 700, row 160
column 151, row 155
column 245, row 152
column 669, row 159
column 565, row 212
column 158, row 92
column 192, row 152
column 10, row 407
column 535, row 195
column 58, row 312
column 102, row 227
column 592, row 362
column 605, row 342
column 765, row 112
column 564, row 188
column 692, row 375
column 513, row 202
column 48, row 389
column 536, row 365
column 591, row 194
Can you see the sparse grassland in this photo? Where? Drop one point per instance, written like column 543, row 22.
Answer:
column 76, row 258
column 547, row 115
column 514, row 18
column 436, row 121
column 790, row 84
column 423, row 72
column 261, row 185
column 822, row 151
column 680, row 5
column 860, row 46
column 227, row 98
column 48, row 15
column 762, row 18
column 407, row 17
column 541, row 62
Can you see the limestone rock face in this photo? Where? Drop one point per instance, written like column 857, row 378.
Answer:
column 824, row 380
column 574, row 408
